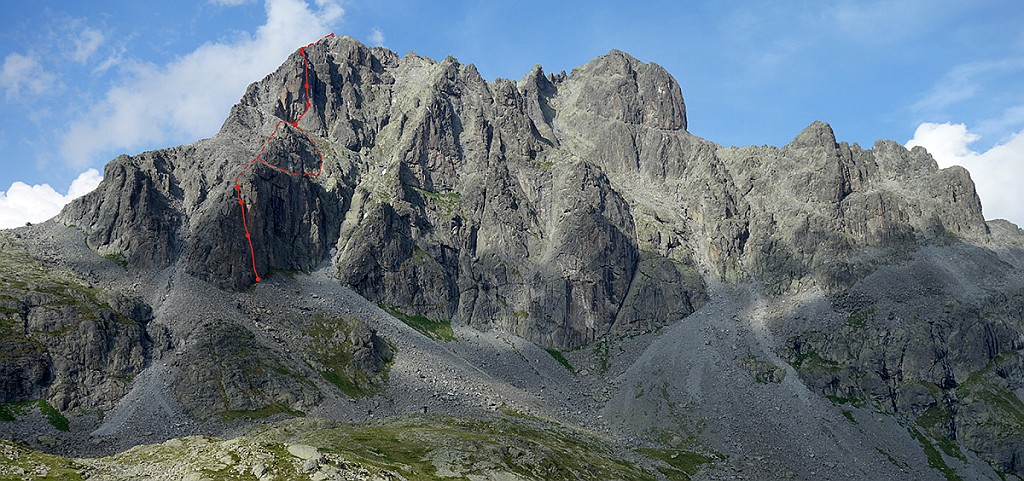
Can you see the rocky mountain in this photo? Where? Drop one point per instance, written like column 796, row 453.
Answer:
column 410, row 247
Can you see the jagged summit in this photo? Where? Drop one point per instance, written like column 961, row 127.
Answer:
column 693, row 290
column 818, row 134
column 439, row 188
column 652, row 97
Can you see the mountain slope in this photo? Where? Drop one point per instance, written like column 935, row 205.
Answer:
column 766, row 303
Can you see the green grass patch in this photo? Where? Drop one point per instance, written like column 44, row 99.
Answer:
column 433, row 328
column 351, row 387
column 415, row 448
column 447, row 201
column 480, row 446
column 860, row 319
column 893, row 460
column 934, row 421
column 513, row 412
column 812, row 360
column 11, row 411
column 935, row 457
column 683, row 464
column 601, row 352
column 849, row 416
column 117, row 258
column 57, row 468
column 264, row 412
column 1004, row 401
column 555, row 353
column 52, row 415
column 840, row 400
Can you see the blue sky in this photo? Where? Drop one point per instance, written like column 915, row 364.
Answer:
column 81, row 82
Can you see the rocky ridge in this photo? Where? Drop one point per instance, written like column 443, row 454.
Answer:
column 569, row 212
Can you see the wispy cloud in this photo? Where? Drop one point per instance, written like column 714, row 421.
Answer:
column 997, row 172
column 965, row 82
column 36, row 203
column 190, row 96
column 377, row 37
column 24, row 72
column 1011, row 120
column 113, row 59
column 86, row 44
column 878, row 22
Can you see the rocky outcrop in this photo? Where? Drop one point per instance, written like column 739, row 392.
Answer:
column 136, row 215
column 72, row 345
column 230, row 374
column 349, row 354
column 924, row 341
column 815, row 204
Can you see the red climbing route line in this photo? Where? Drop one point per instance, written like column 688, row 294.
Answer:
column 259, row 155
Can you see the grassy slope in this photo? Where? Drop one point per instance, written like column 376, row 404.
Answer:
column 419, row 447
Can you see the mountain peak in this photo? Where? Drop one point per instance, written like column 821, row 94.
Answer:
column 620, row 87
column 818, row 134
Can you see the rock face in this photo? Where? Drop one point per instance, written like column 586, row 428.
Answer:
column 443, row 194
column 62, row 341
column 227, row 373
column 230, row 374
column 935, row 339
column 560, row 208
column 566, row 208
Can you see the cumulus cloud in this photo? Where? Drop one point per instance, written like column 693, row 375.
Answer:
column 377, row 37
column 998, row 172
column 24, row 72
column 190, row 96
column 36, row 203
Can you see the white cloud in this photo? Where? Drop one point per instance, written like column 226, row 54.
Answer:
column 36, row 203
column 377, row 37
column 86, row 44
column 83, row 184
column 948, row 143
column 998, row 172
column 190, row 96
column 24, row 72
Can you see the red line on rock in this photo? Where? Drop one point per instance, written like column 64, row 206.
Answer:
column 259, row 155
